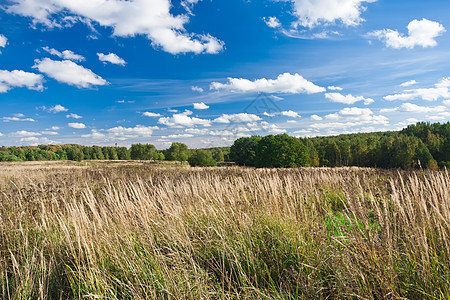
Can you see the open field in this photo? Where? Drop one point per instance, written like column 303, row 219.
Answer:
column 133, row 231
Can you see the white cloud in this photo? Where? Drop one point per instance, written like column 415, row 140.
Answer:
column 76, row 125
column 177, row 136
column 318, row 12
column 151, row 114
column 241, row 118
column 67, row 71
column 290, row 113
column 151, row 18
column 55, row 128
column 18, row 118
column 197, row 89
column 413, row 108
column 57, row 108
column 35, row 141
column 1, row 134
column 348, row 99
column 440, row 90
column 200, row 106
column 275, row 129
column 18, row 78
column 94, row 135
column 3, row 41
column 66, row 54
column 408, row 83
column 24, row 133
column 123, row 101
column 291, row 121
column 123, row 133
column 316, row 118
column 270, row 115
column 335, row 88
column 420, row 33
column 272, row 22
column 446, row 102
column 285, row 83
column 183, row 120
column 197, row 131
column 111, row 58
column 351, row 117
column 49, row 133
column 74, row 116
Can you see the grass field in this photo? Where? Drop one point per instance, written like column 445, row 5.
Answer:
column 132, row 231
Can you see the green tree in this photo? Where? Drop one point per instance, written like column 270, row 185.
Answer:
column 281, row 151
column 201, row 158
column 243, row 151
column 218, row 155
column 123, row 153
column 177, row 152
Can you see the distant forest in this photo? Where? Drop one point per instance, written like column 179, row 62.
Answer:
column 422, row 145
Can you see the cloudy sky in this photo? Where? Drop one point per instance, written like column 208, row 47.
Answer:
column 206, row 72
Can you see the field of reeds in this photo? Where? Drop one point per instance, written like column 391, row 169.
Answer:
column 132, row 231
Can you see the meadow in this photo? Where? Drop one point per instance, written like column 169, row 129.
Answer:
column 127, row 230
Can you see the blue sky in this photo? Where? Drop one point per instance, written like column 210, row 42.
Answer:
column 206, row 72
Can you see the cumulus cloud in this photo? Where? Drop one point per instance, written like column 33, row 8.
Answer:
column 197, row 89
column 440, row 90
column 408, row 83
column 74, row 116
column 7, row 119
column 111, row 58
column 322, row 12
column 123, row 133
column 49, row 133
column 200, row 106
column 3, row 41
column 421, row 33
column 18, row 118
column 351, row 117
column 35, row 141
column 24, row 133
column 76, row 125
column 316, row 118
column 183, row 120
column 95, row 134
column 56, row 109
column 237, row 118
column 285, row 83
column 347, row 99
column 413, row 108
column 335, row 88
column 66, row 54
column 446, row 102
column 67, row 71
column 150, row 18
column 18, row 78
column 272, row 22
column 151, row 114
column 290, row 113
column 177, row 136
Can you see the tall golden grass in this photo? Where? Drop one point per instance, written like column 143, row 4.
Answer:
column 135, row 232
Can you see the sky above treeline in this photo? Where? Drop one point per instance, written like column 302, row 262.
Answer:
column 206, row 72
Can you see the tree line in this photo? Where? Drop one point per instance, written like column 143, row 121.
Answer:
column 176, row 152
column 422, row 145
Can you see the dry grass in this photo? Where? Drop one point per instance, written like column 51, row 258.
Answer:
column 135, row 232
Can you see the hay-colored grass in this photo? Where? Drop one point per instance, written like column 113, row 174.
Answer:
column 132, row 231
